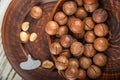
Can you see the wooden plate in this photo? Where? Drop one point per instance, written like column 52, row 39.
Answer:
column 17, row 13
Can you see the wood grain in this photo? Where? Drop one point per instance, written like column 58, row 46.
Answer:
column 17, row 13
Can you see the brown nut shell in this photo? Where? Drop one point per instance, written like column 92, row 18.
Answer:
column 69, row 7
column 101, row 44
column 100, row 59
column 94, row 72
column 75, row 25
column 73, row 62
column 101, row 30
column 77, row 49
column 61, row 18
column 79, row 2
column 89, row 23
column 55, row 48
column 36, row 12
column 85, row 62
column 66, row 53
column 51, row 28
column 89, row 50
column 81, row 13
column 71, row 73
column 100, row 15
column 91, row 7
column 66, row 41
column 90, row 1
column 62, row 63
column 89, row 37
column 82, row 74
column 63, row 30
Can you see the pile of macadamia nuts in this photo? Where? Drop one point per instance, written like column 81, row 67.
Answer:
column 79, row 36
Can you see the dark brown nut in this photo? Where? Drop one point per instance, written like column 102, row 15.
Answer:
column 55, row 48
column 100, row 15
column 89, row 23
column 36, row 12
column 94, row 72
column 62, row 63
column 101, row 44
column 82, row 74
column 91, row 7
column 66, row 53
column 89, row 50
column 77, row 49
column 61, row 18
column 79, row 2
column 101, row 30
column 63, row 30
column 47, row 64
column 75, row 25
column 79, row 35
column 69, row 7
column 81, row 13
column 73, row 62
column 90, row 1
column 90, row 37
column 52, row 28
column 71, row 73
column 100, row 59
column 66, row 41
column 85, row 62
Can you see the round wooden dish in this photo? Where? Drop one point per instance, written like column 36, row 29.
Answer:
column 112, row 69
column 17, row 13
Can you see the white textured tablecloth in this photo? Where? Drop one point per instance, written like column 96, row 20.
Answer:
column 6, row 71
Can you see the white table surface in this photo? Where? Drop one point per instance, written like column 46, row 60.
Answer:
column 6, row 71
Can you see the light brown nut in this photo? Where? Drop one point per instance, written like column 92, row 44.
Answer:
column 47, row 64
column 33, row 37
column 24, row 36
column 25, row 26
